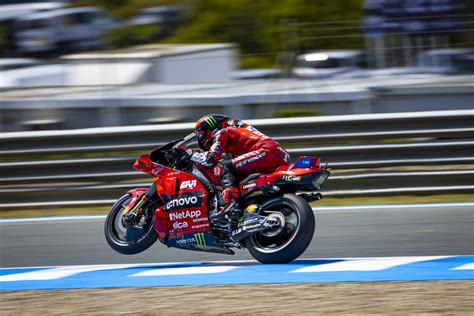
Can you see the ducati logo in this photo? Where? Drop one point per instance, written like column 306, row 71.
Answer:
column 188, row 184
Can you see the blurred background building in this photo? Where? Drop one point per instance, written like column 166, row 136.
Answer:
column 89, row 63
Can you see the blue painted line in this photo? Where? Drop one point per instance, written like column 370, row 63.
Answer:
column 8, row 271
column 238, row 272
column 315, row 208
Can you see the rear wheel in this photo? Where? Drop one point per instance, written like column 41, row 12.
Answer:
column 287, row 242
column 116, row 231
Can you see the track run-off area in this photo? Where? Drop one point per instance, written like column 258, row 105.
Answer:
column 351, row 244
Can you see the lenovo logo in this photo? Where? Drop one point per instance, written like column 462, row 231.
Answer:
column 249, row 185
column 188, row 200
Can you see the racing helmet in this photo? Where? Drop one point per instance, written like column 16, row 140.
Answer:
column 205, row 128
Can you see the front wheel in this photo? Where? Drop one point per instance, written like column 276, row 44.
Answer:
column 116, row 232
column 288, row 242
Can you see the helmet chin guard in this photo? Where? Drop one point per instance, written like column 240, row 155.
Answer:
column 205, row 128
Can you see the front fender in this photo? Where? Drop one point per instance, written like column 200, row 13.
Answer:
column 136, row 195
column 162, row 224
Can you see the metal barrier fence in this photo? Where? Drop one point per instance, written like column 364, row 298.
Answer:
column 370, row 154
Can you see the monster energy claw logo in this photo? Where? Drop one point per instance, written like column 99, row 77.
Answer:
column 321, row 180
column 200, row 240
column 211, row 121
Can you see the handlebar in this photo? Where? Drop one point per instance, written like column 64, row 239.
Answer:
column 169, row 156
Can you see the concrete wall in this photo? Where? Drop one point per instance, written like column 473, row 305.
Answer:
column 199, row 67
column 108, row 72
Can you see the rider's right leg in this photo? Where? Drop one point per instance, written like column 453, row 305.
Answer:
column 230, row 193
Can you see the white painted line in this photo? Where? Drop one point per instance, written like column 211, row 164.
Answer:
column 467, row 266
column 59, row 203
column 52, row 218
column 186, row 270
column 146, row 265
column 391, row 206
column 372, row 264
column 60, row 272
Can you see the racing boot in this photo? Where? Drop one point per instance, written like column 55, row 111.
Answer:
column 229, row 207
column 230, row 195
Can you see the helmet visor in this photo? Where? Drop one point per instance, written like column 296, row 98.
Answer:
column 204, row 138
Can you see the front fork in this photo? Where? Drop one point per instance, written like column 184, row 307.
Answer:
column 134, row 210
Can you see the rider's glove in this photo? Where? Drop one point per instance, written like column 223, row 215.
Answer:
column 188, row 151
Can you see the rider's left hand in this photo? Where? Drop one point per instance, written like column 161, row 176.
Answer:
column 185, row 150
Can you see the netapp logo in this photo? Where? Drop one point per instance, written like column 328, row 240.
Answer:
column 188, row 200
column 184, row 215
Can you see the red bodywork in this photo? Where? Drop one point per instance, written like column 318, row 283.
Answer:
column 182, row 220
column 185, row 201
column 291, row 172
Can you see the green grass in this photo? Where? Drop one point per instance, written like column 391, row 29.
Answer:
column 330, row 201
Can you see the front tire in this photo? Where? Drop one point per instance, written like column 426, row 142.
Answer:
column 115, row 231
column 295, row 236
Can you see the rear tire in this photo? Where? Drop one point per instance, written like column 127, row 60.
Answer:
column 294, row 238
column 114, row 230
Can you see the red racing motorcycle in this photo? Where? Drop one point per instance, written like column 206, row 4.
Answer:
column 274, row 220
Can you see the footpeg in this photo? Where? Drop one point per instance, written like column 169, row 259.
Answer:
column 231, row 212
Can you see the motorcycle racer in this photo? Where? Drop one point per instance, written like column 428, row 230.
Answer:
column 249, row 150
